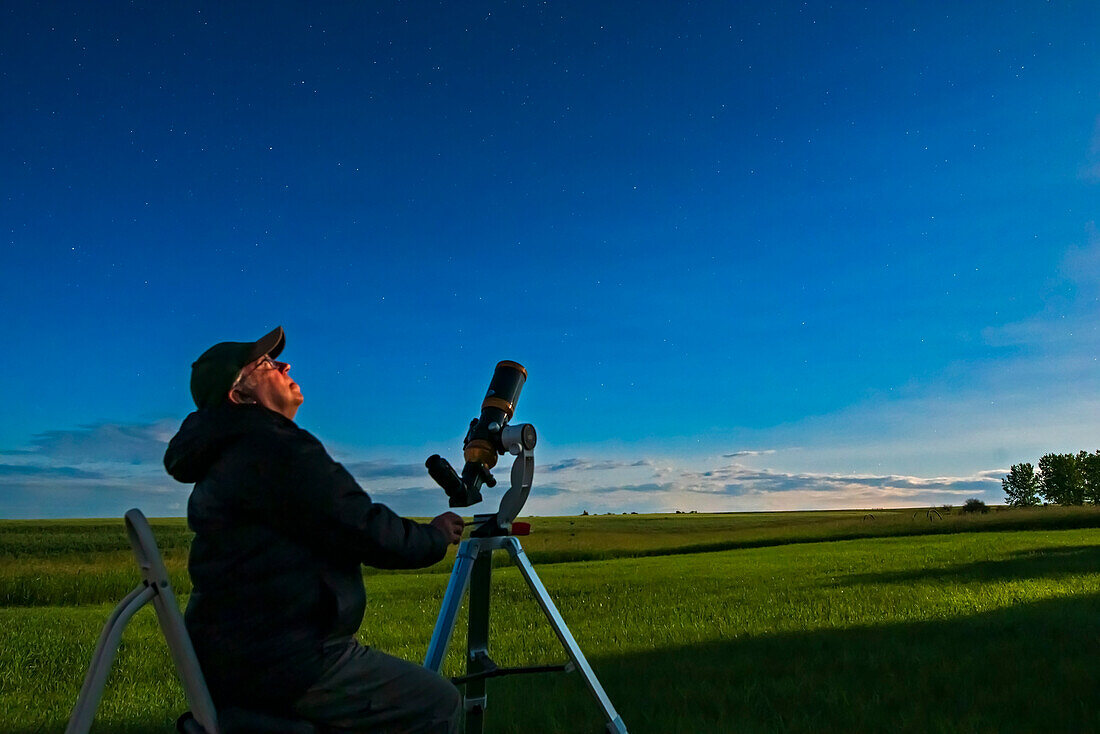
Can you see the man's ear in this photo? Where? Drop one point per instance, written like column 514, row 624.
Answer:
column 240, row 397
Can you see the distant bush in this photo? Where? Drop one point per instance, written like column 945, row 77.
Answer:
column 974, row 505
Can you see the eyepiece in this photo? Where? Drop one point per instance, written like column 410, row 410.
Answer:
column 444, row 475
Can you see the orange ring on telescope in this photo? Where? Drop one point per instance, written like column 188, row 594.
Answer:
column 501, row 403
column 482, row 452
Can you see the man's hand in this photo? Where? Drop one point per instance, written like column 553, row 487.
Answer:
column 451, row 525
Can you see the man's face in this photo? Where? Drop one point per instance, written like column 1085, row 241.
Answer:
column 269, row 383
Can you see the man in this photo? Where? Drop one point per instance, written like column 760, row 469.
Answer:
column 280, row 532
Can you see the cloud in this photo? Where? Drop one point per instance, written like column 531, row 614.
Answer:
column 1081, row 264
column 1031, row 387
column 101, row 443
column 578, row 464
column 1090, row 170
column 1067, row 324
column 19, row 470
column 92, row 471
column 105, row 469
column 412, row 501
column 380, row 469
column 730, row 486
column 738, row 481
column 64, row 498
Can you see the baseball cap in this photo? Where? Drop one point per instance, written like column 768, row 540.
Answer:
column 214, row 372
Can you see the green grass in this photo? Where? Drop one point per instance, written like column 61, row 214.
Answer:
column 66, row 562
column 956, row 631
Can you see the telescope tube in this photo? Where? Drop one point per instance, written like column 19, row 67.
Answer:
column 497, row 409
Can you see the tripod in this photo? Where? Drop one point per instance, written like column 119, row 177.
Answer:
column 472, row 570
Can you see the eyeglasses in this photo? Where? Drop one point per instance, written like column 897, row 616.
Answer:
column 265, row 363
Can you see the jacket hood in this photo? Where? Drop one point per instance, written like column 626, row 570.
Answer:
column 207, row 433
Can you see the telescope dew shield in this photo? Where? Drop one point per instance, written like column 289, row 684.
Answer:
column 497, row 409
column 504, row 389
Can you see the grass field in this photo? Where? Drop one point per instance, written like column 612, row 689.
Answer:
column 771, row 622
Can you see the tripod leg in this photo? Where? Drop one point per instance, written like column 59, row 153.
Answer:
column 615, row 723
column 452, row 600
column 477, row 640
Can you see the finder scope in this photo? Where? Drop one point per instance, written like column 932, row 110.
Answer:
column 489, row 436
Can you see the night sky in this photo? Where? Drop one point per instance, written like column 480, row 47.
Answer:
column 760, row 255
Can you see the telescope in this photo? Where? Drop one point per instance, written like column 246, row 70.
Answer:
column 488, row 437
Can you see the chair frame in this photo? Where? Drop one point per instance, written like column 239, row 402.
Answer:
column 157, row 589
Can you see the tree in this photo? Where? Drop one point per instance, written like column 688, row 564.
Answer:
column 974, row 505
column 1061, row 479
column 1022, row 485
column 1089, row 465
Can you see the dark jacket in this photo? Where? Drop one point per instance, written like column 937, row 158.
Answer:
column 280, row 532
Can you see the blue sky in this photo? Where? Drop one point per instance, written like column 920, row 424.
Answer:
column 754, row 256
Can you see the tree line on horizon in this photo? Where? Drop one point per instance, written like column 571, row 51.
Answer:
column 1060, row 479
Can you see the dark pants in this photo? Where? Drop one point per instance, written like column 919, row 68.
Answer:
column 363, row 690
